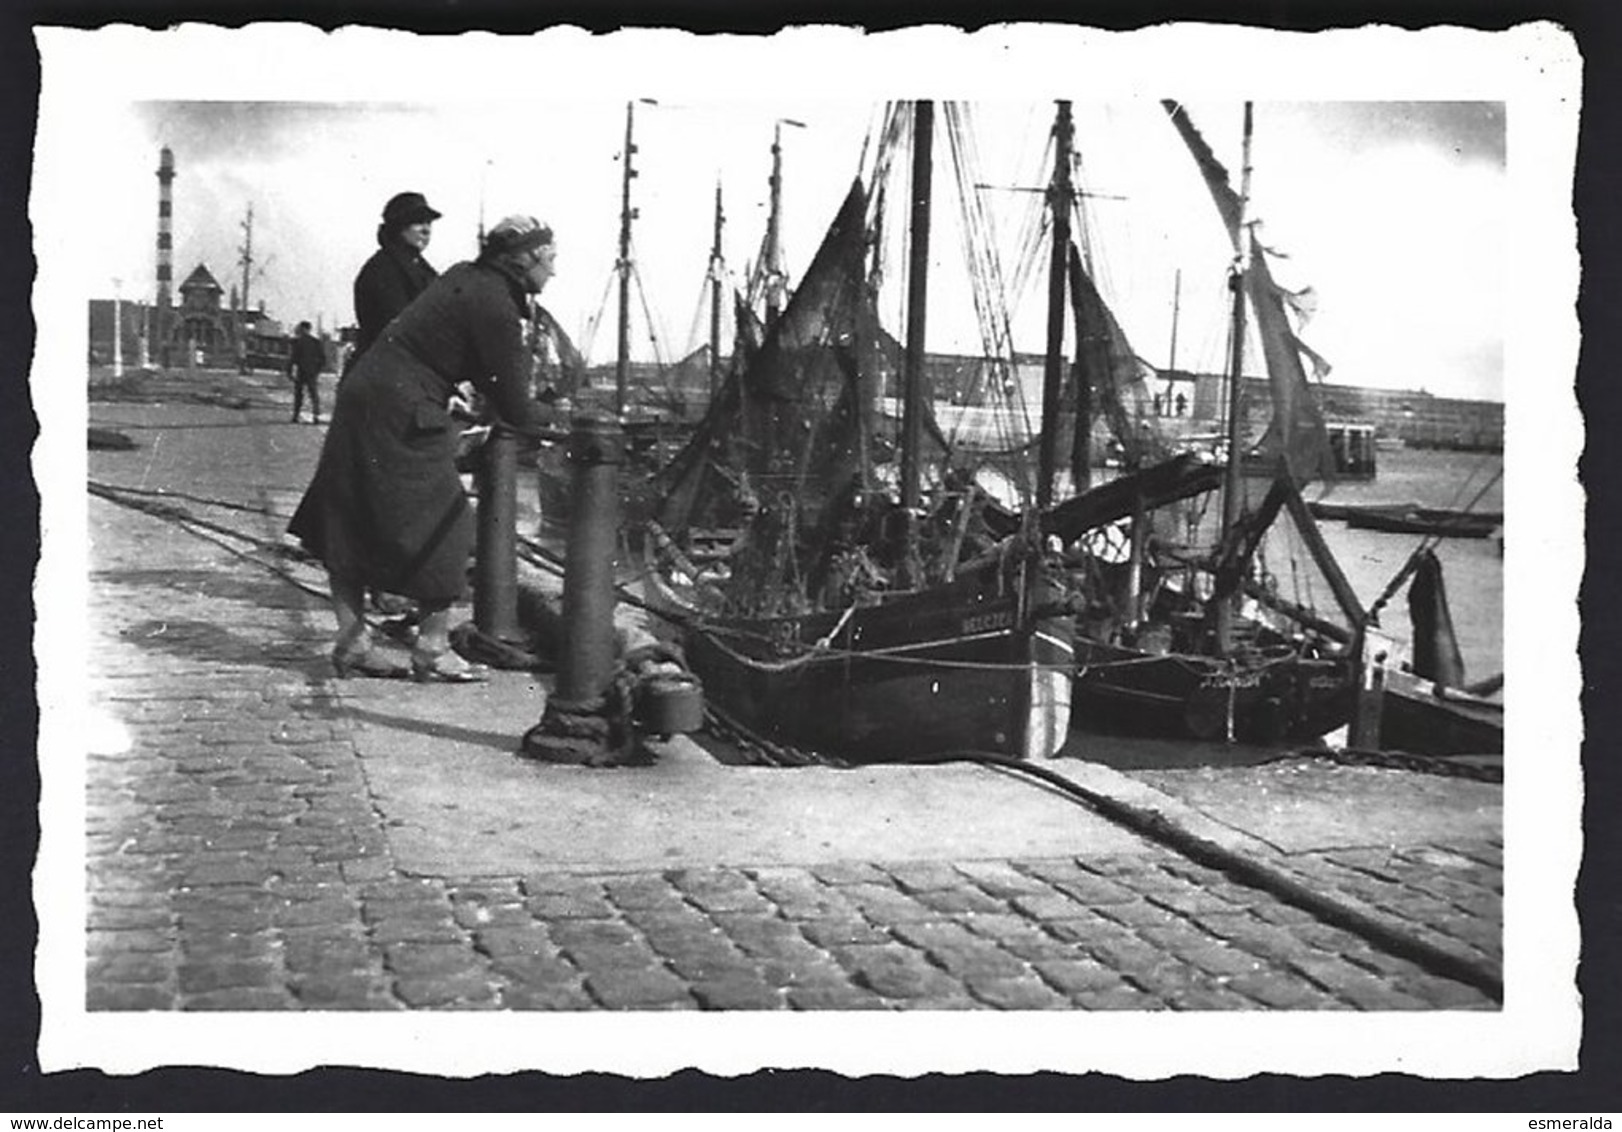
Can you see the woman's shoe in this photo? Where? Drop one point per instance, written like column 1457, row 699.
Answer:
column 400, row 629
column 358, row 658
column 445, row 668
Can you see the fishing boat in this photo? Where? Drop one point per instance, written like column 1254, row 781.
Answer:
column 1428, row 706
column 1440, row 522
column 1426, row 718
column 864, row 604
column 1192, row 640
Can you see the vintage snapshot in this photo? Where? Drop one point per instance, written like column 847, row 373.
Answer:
column 924, row 552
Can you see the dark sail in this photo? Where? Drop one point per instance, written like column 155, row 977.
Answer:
column 1436, row 646
column 1296, row 435
column 1109, row 373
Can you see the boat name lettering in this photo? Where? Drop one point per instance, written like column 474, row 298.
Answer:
column 1237, row 680
column 786, row 636
column 983, row 622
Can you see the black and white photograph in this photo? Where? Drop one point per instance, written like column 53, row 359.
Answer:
column 1033, row 549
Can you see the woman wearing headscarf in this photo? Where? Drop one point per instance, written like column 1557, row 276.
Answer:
column 386, row 508
column 396, row 273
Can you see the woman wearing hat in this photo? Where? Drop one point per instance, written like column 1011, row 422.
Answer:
column 386, row 508
column 396, row 273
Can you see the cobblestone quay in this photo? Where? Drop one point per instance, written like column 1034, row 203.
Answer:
column 242, row 856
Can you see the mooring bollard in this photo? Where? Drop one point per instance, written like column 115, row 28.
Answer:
column 576, row 726
column 495, row 567
column 1367, row 708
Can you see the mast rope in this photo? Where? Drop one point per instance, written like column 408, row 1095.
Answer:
column 590, row 334
column 661, row 355
column 1010, row 416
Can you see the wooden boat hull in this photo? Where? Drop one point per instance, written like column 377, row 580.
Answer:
column 1414, row 718
column 919, row 675
column 1179, row 695
column 1409, row 519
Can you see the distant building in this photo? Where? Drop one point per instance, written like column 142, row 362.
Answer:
column 199, row 325
column 1415, row 417
column 1187, row 404
column 203, row 330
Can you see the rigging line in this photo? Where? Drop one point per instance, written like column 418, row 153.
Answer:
column 989, row 290
column 1011, row 390
column 660, row 352
column 590, row 334
column 1464, row 485
column 981, row 225
column 972, row 237
column 692, row 343
column 1431, row 541
column 815, row 652
column 1038, row 219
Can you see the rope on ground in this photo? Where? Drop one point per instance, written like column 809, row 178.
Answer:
column 1441, row 957
column 480, row 647
column 209, row 532
column 108, row 490
column 1484, row 768
column 651, row 692
column 1352, row 914
column 762, row 751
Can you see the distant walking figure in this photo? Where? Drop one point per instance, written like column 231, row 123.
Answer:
column 304, row 366
column 396, row 273
column 386, row 508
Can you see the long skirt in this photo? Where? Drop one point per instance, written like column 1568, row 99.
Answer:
column 386, row 506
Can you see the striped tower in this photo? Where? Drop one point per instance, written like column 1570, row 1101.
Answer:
column 166, row 177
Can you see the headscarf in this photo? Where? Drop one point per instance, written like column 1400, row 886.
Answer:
column 507, row 247
column 513, row 236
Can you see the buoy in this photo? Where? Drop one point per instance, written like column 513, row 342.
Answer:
column 670, row 705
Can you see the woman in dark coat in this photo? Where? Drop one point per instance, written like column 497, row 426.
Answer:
column 386, row 508
column 396, row 273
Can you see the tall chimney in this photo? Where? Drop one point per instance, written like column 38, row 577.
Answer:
column 166, row 176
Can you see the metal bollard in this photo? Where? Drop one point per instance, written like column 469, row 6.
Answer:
column 575, row 727
column 495, row 567
column 1367, row 708
column 596, row 450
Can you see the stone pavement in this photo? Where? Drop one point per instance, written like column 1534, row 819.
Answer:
column 272, row 839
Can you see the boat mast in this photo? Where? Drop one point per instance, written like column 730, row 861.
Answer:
column 622, row 367
column 1059, row 198
column 245, row 256
column 1176, row 312
column 484, row 183
column 774, row 255
column 772, row 273
column 1233, row 483
column 912, row 388
column 717, row 270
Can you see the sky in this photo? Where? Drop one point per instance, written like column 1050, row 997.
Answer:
column 1393, row 211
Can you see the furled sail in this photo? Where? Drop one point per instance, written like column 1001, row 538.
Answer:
column 1296, row 435
column 560, row 366
column 1110, row 374
column 790, row 422
column 803, row 412
column 1436, row 645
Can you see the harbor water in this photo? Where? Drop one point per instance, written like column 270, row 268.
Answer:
column 1473, row 568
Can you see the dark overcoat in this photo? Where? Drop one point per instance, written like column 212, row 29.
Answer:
column 386, row 505
column 306, row 359
column 385, row 286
